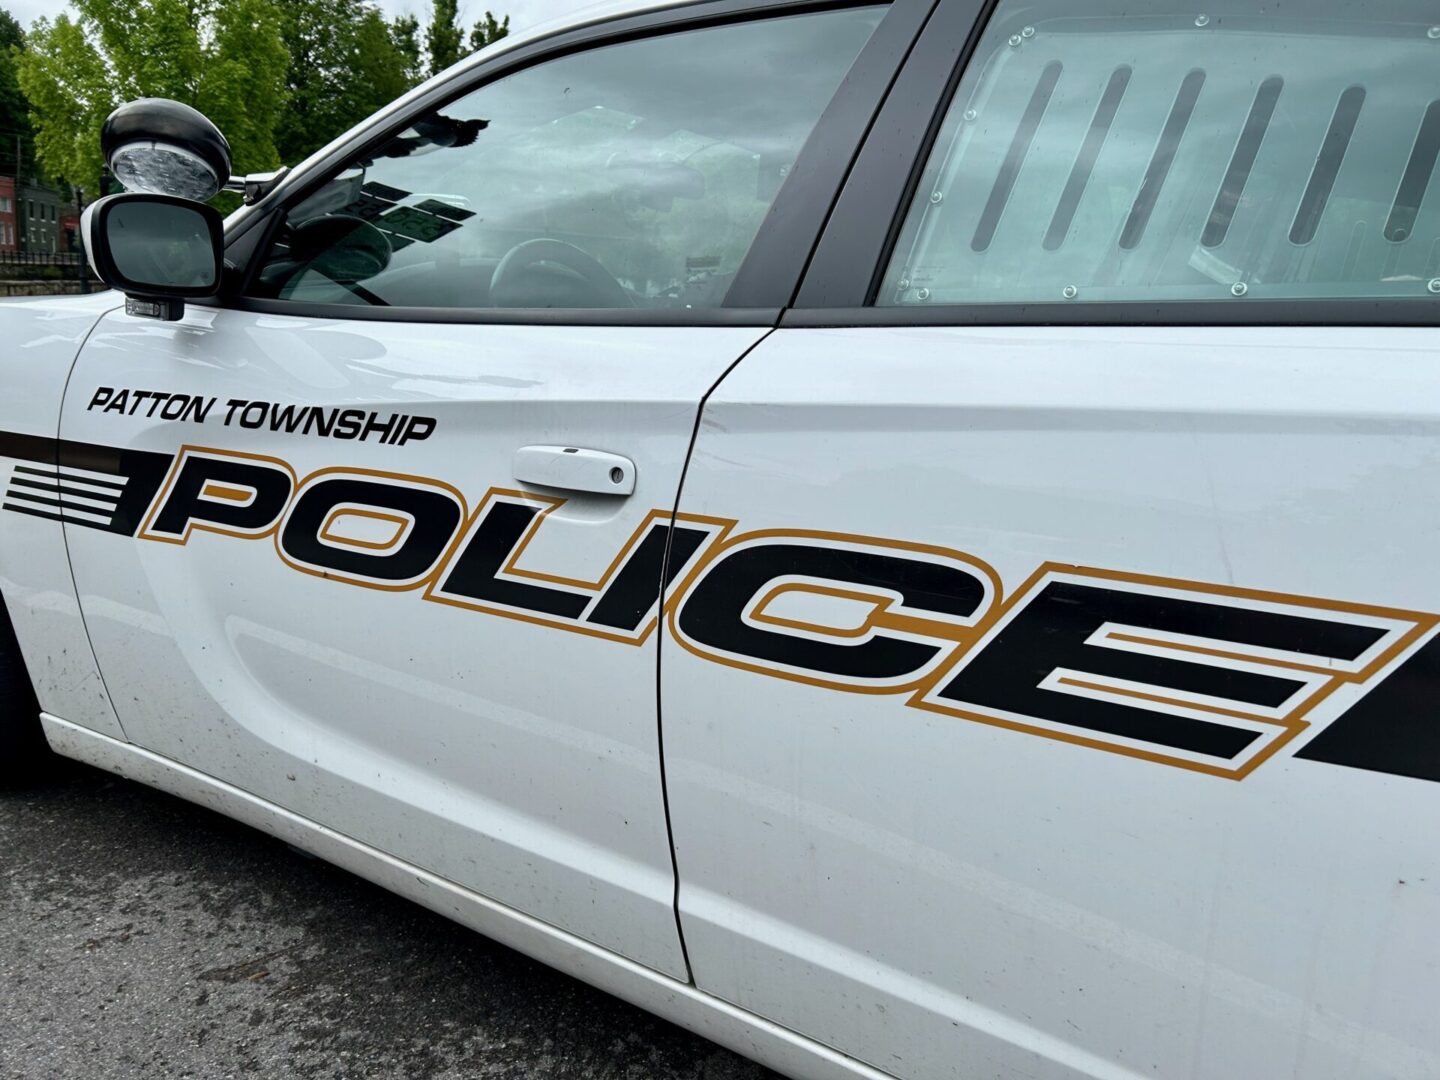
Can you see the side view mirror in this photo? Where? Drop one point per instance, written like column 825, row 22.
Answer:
column 156, row 249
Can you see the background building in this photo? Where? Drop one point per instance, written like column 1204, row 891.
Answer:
column 39, row 219
column 9, row 239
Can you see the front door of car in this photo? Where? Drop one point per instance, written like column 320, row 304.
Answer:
column 382, row 542
column 1063, row 701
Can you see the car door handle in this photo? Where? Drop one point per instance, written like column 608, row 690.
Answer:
column 574, row 468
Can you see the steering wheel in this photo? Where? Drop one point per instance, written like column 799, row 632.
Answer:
column 521, row 281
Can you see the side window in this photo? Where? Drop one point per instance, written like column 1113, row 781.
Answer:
column 1100, row 150
column 629, row 175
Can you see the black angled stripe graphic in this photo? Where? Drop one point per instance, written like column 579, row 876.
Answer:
column 45, row 488
column 139, row 472
column 1395, row 728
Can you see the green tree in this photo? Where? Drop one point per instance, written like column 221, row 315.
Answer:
column 380, row 62
column 344, row 65
column 486, row 31
column 405, row 34
column 223, row 57
column 444, row 39
column 17, row 140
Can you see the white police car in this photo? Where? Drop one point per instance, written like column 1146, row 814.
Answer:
column 900, row 537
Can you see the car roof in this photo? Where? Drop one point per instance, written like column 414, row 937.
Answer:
column 582, row 15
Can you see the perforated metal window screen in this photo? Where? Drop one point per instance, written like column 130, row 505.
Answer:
column 1259, row 150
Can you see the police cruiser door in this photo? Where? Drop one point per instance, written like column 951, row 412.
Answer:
column 1062, row 702
column 381, row 541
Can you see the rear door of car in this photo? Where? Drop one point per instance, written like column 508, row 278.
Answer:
column 1062, row 701
column 385, row 549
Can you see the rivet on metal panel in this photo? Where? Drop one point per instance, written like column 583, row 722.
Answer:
column 971, row 114
column 1239, row 289
column 1015, row 40
column 937, row 197
column 1202, row 20
column 1433, row 33
column 904, row 283
column 1434, row 285
column 1070, row 292
column 922, row 294
column 1028, row 32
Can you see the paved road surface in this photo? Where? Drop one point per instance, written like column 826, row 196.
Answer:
column 143, row 938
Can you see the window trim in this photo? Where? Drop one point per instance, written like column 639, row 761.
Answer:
column 718, row 316
column 845, row 273
column 1416, row 311
column 769, row 275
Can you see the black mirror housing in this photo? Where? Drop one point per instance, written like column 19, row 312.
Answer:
column 156, row 249
column 159, row 146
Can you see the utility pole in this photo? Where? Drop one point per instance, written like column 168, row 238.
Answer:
column 79, row 245
column 21, row 243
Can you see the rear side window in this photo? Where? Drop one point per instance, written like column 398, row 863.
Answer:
column 1115, row 151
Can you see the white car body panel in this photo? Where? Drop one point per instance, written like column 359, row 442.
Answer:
column 512, row 758
column 849, row 872
column 41, row 338
column 679, row 1002
column 945, row 898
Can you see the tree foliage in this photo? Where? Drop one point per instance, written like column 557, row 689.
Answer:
column 280, row 77
column 344, row 64
column 445, row 39
column 488, row 30
column 405, row 33
column 16, row 136
column 223, row 57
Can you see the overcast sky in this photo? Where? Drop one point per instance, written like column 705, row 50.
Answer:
column 522, row 12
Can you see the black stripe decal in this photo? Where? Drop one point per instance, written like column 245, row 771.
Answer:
column 1395, row 728
column 1417, row 177
column 32, row 512
column 1232, row 188
column 1015, row 157
column 20, row 481
column 95, row 511
column 1163, row 158
column 1085, row 161
column 1327, row 165
column 28, row 447
column 138, row 475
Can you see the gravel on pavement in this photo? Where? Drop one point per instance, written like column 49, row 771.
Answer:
column 143, row 938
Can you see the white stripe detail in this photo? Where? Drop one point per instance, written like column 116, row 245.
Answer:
column 82, row 515
column 87, row 474
column 66, row 511
column 101, row 490
column 47, row 487
column 70, row 473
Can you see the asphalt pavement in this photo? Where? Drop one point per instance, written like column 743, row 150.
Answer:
column 144, row 938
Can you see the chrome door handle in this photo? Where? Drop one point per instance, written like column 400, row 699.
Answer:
column 573, row 468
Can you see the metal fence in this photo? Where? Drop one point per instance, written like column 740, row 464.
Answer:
column 39, row 258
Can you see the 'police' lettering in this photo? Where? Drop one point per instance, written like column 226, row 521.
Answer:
column 218, row 491
column 918, row 601
column 419, row 517
column 1190, row 674
column 622, row 605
